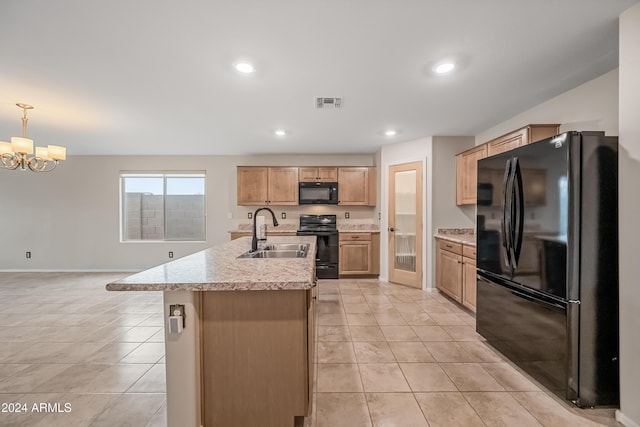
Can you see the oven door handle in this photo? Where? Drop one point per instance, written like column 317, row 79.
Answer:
column 316, row 233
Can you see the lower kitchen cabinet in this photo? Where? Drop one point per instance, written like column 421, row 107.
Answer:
column 469, row 277
column 359, row 254
column 257, row 359
column 456, row 272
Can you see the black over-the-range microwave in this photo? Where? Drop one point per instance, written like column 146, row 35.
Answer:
column 318, row 193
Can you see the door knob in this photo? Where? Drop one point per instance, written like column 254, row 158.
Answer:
column 392, row 229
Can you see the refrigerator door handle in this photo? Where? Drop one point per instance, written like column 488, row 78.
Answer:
column 535, row 301
column 505, row 225
column 518, row 223
column 512, row 217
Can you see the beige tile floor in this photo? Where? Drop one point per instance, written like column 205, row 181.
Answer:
column 388, row 355
column 65, row 340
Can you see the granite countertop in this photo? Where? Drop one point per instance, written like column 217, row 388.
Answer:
column 351, row 227
column 458, row 235
column 219, row 269
column 288, row 227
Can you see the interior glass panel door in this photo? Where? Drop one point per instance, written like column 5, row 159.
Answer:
column 405, row 224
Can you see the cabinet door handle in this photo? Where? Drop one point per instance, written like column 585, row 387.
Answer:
column 392, row 229
column 355, row 237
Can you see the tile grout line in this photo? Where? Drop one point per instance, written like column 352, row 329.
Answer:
column 364, row 392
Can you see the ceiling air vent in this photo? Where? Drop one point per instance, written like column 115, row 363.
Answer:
column 323, row 102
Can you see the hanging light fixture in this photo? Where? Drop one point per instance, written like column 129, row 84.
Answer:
column 19, row 152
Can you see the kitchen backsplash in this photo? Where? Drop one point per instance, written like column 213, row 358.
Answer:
column 355, row 213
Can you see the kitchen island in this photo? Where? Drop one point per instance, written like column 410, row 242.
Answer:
column 245, row 355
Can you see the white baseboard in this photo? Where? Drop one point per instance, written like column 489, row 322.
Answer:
column 624, row 420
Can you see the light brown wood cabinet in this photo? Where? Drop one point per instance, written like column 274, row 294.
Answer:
column 319, row 174
column 469, row 282
column 456, row 272
column 520, row 137
column 449, row 269
column 357, row 186
column 261, row 185
column 466, row 174
column 312, row 335
column 359, row 254
column 257, row 357
column 467, row 161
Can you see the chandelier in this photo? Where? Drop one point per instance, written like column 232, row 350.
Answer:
column 19, row 152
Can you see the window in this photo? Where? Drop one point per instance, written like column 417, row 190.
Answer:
column 161, row 206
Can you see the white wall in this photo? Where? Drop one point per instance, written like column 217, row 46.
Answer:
column 446, row 214
column 69, row 218
column 395, row 154
column 439, row 190
column 590, row 106
column 629, row 209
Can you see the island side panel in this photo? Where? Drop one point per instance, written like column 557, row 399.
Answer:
column 182, row 355
column 255, row 360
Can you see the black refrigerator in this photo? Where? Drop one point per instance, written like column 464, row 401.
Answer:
column 547, row 262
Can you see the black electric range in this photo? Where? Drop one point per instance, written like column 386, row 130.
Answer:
column 324, row 227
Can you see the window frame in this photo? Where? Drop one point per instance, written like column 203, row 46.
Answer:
column 164, row 175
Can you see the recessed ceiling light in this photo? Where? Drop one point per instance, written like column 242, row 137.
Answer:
column 280, row 132
column 444, row 67
column 390, row 132
column 245, row 67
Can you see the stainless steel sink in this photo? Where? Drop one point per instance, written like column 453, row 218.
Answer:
column 279, row 250
column 287, row 247
column 277, row 254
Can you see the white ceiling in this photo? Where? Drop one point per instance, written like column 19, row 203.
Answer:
column 157, row 76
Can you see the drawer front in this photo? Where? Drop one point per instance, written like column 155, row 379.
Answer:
column 446, row 245
column 469, row 251
column 355, row 236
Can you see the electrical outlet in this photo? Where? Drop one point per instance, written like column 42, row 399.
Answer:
column 250, row 215
column 170, row 254
column 28, row 254
column 346, row 215
column 283, row 215
column 178, row 310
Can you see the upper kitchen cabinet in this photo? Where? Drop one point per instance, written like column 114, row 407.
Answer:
column 520, row 137
column 324, row 174
column 466, row 174
column 467, row 162
column 357, row 186
column 259, row 185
